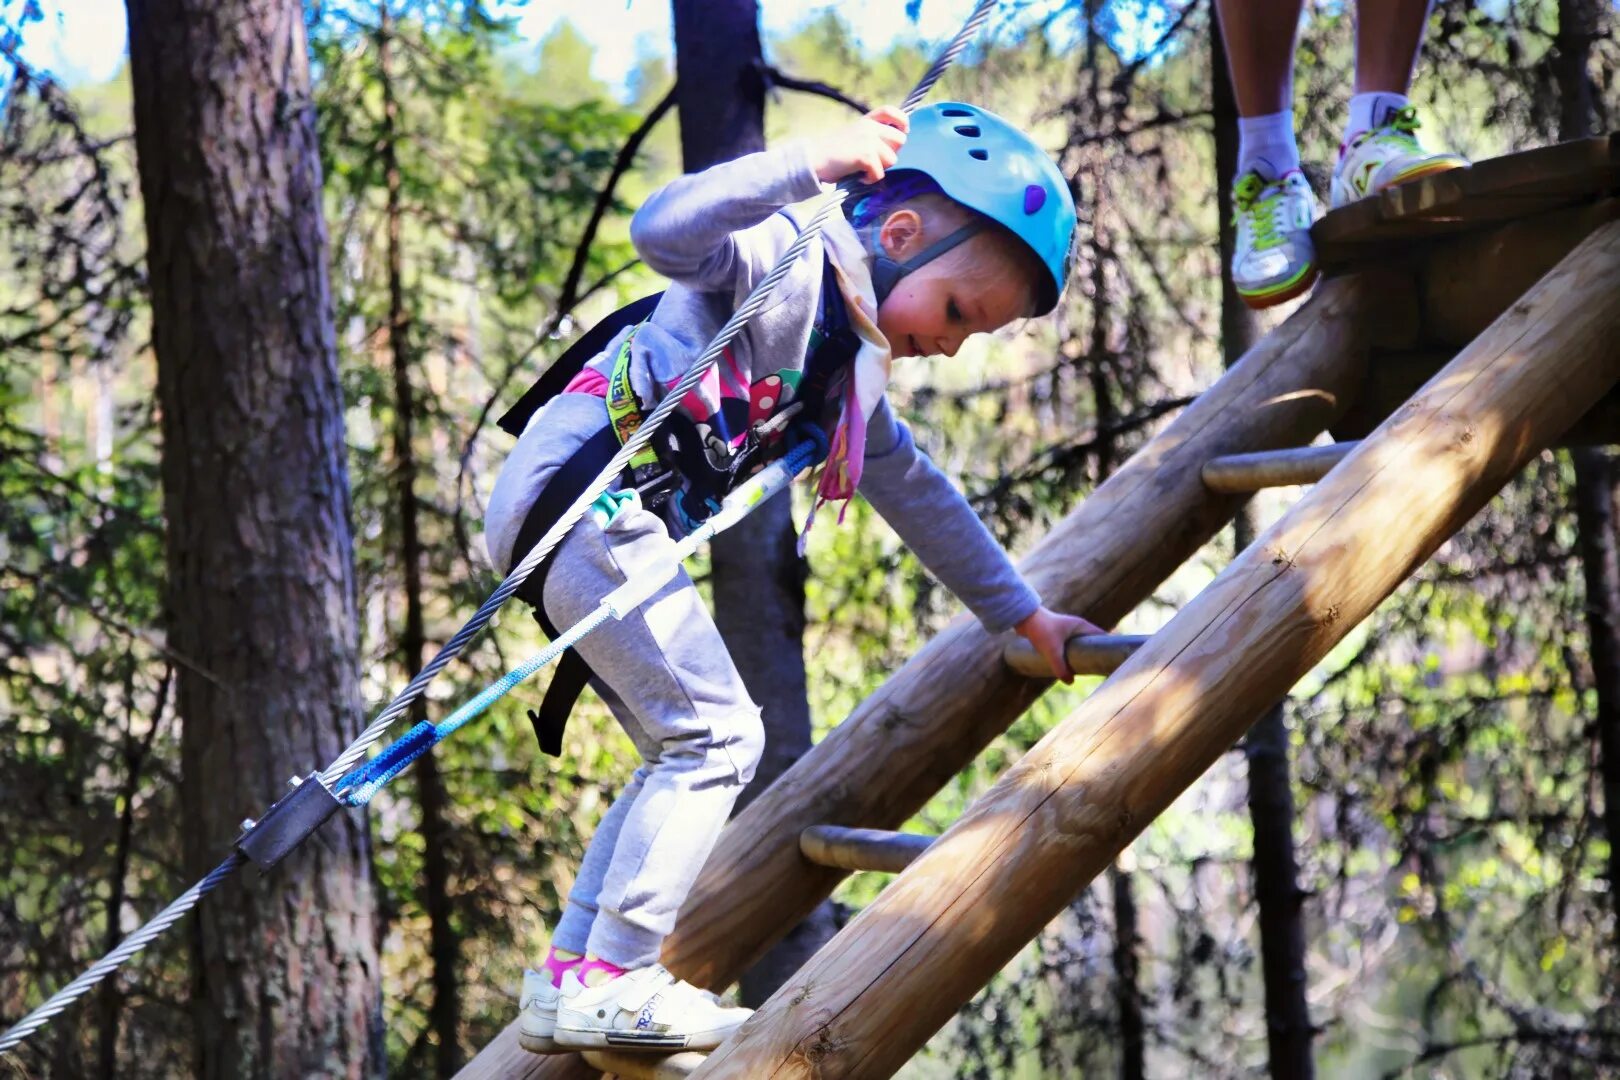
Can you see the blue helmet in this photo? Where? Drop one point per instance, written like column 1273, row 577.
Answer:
column 988, row 165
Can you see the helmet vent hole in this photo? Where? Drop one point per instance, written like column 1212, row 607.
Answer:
column 979, row 155
column 970, row 130
column 954, row 112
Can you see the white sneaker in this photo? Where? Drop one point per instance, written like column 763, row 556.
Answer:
column 1384, row 157
column 537, row 1018
column 644, row 1009
column 1274, row 259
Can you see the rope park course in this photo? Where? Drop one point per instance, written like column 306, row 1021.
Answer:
column 1421, row 438
column 315, row 798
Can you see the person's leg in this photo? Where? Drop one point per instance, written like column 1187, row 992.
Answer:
column 1260, row 37
column 1380, row 147
column 1388, row 36
column 1273, row 260
column 673, row 686
column 541, row 992
column 573, row 931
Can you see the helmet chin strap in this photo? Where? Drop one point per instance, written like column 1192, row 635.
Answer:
column 886, row 273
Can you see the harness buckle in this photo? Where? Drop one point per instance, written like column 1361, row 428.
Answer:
column 652, row 483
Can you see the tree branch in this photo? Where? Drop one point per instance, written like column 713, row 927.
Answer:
column 776, row 77
column 567, row 297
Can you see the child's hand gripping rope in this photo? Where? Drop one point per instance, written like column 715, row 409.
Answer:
column 869, row 146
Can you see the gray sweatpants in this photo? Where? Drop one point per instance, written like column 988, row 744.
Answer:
column 665, row 674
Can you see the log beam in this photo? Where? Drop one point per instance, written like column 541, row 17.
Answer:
column 862, row 849
column 899, row 971
column 934, row 715
column 1234, row 473
column 1094, row 654
column 629, row 1066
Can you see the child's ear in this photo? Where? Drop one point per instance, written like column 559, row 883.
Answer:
column 900, row 234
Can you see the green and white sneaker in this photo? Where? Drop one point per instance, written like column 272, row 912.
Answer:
column 1275, row 260
column 537, row 1016
column 1386, row 156
column 644, row 1009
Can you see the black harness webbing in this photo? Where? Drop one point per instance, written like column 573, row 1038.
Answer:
column 572, row 673
column 573, row 360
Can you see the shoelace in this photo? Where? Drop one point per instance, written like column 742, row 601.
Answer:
column 1402, row 126
column 1265, row 213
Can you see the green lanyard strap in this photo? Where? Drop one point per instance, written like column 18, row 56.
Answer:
column 624, row 409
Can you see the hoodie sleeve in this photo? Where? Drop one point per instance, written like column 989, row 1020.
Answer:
column 710, row 230
column 935, row 521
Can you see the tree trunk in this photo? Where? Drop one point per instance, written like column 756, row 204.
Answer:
column 1127, row 974
column 1271, row 795
column 758, row 576
column 444, row 950
column 256, row 499
column 1600, row 567
column 1594, row 469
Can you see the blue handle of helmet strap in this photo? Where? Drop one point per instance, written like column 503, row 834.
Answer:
column 360, row 786
column 886, row 273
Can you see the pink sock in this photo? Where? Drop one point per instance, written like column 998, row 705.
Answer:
column 555, row 966
column 591, row 964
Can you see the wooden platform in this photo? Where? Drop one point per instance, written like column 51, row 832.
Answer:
column 1468, row 243
column 1498, row 190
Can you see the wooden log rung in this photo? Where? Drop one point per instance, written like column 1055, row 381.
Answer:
column 861, row 849
column 644, row 1066
column 1242, row 473
column 1094, row 654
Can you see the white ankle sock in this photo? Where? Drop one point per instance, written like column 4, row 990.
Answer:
column 1266, row 144
column 1368, row 111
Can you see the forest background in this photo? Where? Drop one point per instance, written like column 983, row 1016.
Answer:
column 1450, row 870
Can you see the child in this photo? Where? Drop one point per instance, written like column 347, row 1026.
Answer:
column 968, row 233
column 1274, row 260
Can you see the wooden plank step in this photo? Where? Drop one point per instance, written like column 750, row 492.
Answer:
column 1094, row 654
column 1241, row 473
column 645, row 1066
column 1492, row 191
column 861, row 849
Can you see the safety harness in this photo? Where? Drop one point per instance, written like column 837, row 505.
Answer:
column 680, row 467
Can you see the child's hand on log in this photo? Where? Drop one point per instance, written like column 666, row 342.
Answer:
column 1050, row 632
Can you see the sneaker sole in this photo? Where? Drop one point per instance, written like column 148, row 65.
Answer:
column 539, row 1044
column 1280, row 294
column 578, row 1039
column 1418, row 172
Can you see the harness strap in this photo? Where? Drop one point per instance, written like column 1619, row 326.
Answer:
column 624, row 408
column 556, row 497
column 573, row 359
column 886, row 273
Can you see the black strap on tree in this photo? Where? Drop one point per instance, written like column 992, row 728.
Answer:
column 571, row 673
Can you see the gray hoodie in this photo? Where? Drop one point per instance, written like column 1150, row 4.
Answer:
column 715, row 234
